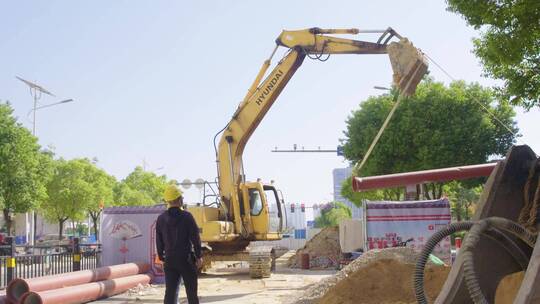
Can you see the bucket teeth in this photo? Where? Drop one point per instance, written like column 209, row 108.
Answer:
column 408, row 64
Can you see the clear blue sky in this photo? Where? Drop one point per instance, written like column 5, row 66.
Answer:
column 155, row 80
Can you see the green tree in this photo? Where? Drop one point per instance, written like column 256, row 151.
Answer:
column 102, row 193
column 76, row 187
column 332, row 214
column 140, row 188
column 358, row 197
column 462, row 199
column 509, row 44
column 436, row 128
column 21, row 181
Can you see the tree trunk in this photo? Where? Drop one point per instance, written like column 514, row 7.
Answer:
column 95, row 217
column 61, row 227
column 35, row 227
column 439, row 194
column 426, row 191
column 9, row 222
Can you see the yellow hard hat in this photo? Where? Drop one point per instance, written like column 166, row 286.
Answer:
column 171, row 193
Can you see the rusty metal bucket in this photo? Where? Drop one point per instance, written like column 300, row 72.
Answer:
column 408, row 64
column 506, row 194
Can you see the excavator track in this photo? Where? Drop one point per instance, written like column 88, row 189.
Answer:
column 261, row 262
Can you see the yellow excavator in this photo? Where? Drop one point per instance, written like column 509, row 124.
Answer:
column 253, row 211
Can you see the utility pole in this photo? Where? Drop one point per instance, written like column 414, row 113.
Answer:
column 37, row 91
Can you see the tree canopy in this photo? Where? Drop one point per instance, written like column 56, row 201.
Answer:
column 436, row 128
column 22, row 167
column 31, row 179
column 140, row 188
column 462, row 199
column 509, row 44
column 76, row 187
column 332, row 214
column 102, row 195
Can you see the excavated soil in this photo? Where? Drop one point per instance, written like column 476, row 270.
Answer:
column 508, row 288
column 323, row 249
column 384, row 281
column 378, row 276
column 371, row 285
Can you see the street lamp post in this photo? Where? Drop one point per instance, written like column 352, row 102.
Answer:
column 37, row 91
column 41, row 107
column 34, row 213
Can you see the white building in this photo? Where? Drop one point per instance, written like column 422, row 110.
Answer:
column 22, row 226
column 296, row 218
column 340, row 174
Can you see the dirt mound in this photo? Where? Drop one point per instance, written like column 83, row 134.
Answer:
column 508, row 288
column 378, row 276
column 323, row 249
column 385, row 281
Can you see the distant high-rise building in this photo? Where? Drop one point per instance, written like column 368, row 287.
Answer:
column 340, row 174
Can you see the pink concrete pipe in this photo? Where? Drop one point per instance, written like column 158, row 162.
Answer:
column 419, row 177
column 3, row 299
column 85, row 292
column 18, row 287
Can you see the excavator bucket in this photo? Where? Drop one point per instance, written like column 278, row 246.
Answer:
column 509, row 193
column 409, row 65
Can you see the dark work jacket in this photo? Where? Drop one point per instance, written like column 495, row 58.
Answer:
column 176, row 234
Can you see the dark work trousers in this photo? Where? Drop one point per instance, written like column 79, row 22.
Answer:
column 188, row 273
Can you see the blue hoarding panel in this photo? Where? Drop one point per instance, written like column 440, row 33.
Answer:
column 300, row 233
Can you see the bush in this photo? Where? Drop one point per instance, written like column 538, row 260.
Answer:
column 331, row 214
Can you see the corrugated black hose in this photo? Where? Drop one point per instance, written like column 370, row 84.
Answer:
column 472, row 239
column 475, row 230
column 438, row 236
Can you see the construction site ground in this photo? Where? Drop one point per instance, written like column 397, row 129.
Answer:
column 228, row 283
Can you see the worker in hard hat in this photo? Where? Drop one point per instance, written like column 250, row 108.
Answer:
column 179, row 247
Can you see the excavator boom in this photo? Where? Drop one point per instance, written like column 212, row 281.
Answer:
column 408, row 63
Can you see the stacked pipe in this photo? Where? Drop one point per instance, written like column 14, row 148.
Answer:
column 3, row 298
column 78, row 286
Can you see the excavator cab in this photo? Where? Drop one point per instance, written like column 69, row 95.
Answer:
column 262, row 203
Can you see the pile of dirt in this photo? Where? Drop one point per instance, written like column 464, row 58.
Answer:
column 379, row 276
column 385, row 281
column 323, row 249
column 508, row 288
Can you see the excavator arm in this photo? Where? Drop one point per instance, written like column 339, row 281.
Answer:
column 407, row 62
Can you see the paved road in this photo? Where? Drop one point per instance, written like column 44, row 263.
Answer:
column 233, row 285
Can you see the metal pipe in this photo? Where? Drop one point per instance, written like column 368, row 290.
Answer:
column 419, row 177
column 85, row 292
column 18, row 287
